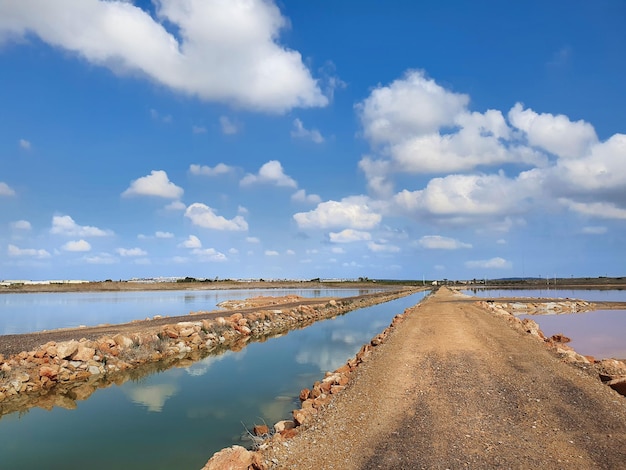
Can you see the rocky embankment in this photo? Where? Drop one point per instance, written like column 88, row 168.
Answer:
column 312, row 401
column 60, row 373
column 611, row 371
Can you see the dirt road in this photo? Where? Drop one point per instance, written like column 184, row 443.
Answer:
column 455, row 387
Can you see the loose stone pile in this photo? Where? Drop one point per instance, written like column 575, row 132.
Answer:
column 59, row 373
column 543, row 308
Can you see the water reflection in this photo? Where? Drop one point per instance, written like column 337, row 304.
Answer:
column 195, row 408
column 24, row 313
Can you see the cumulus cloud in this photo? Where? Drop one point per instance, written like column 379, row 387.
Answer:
column 66, row 226
column 253, row 240
column 556, row 134
column 603, row 210
column 225, row 51
column 176, row 206
column 351, row 212
column 270, row 173
column 300, row 132
column 21, row 225
column 163, row 234
column 25, row 144
column 411, row 105
column 271, row 253
column 131, row 252
column 78, row 245
column 191, row 242
column 301, row 196
column 349, row 235
column 6, row 190
column 437, row 242
column 155, row 184
column 205, row 216
column 217, row 170
column 228, row 126
column 459, row 198
column 209, row 254
column 493, row 263
column 15, row 251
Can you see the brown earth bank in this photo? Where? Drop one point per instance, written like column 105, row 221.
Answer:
column 455, row 384
column 56, row 368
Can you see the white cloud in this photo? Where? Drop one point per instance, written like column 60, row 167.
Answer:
column 301, row 196
column 351, row 212
column 191, row 242
column 6, row 190
column 228, row 126
column 412, row 105
column 78, row 245
column 209, row 254
column 271, row 253
column 501, row 241
column 337, row 250
column 383, row 248
column 604, row 210
column 25, row 144
column 124, row 252
column 300, row 132
column 437, row 242
column 155, row 184
column 290, row 252
column 21, row 225
column 349, row 235
column 198, row 129
column 233, row 251
column 204, row 216
column 65, row 225
column 493, row 263
column 219, row 169
column 253, row 240
column 594, row 230
column 556, row 134
column 165, row 118
column 270, row 173
column 459, row 198
column 163, row 234
column 14, row 251
column 175, row 206
column 229, row 51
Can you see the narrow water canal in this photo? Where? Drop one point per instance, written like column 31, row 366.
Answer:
column 178, row 418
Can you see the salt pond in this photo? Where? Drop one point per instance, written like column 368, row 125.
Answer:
column 178, row 418
column 599, row 333
column 26, row 313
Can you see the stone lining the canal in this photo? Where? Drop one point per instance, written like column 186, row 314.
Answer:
column 60, row 373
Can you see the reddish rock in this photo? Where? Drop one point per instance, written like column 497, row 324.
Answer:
column 49, row 371
column 284, row 425
column 305, row 393
column 66, row 349
column 231, row 458
column 170, row 333
column 288, row 433
column 260, row 430
column 300, row 417
column 559, row 338
column 84, row 354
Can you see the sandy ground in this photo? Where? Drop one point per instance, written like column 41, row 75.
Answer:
column 455, row 387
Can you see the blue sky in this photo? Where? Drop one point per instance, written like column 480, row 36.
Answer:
column 249, row 138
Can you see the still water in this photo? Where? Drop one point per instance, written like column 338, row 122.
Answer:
column 26, row 313
column 178, row 418
column 600, row 333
